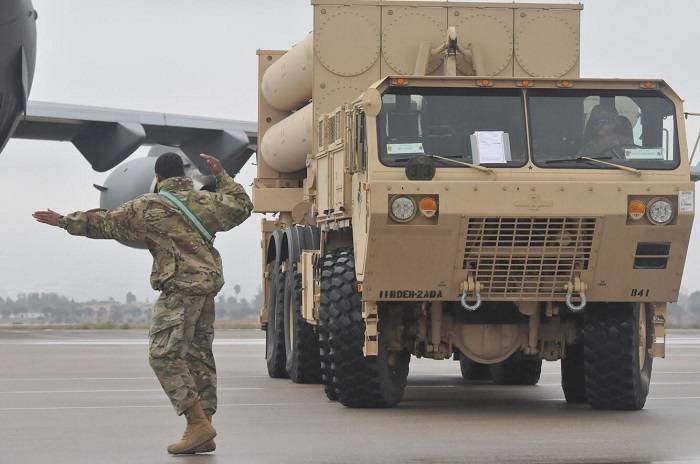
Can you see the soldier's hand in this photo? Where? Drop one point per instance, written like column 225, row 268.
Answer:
column 213, row 163
column 47, row 217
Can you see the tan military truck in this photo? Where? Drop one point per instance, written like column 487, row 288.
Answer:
column 445, row 185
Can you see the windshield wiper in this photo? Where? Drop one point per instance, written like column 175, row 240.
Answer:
column 462, row 163
column 596, row 159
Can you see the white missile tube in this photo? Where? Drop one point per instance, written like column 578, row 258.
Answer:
column 288, row 84
column 286, row 144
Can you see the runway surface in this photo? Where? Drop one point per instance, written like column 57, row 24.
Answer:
column 90, row 397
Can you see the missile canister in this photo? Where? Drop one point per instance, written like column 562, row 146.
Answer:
column 287, row 143
column 287, row 84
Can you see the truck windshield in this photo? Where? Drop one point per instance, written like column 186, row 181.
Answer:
column 629, row 128
column 479, row 126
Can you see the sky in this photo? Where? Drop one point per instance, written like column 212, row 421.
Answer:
column 198, row 58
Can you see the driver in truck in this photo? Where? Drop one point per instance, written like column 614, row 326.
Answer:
column 606, row 133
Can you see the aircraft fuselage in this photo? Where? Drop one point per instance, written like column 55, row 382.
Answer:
column 17, row 61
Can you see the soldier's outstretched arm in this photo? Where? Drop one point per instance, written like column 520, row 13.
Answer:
column 233, row 204
column 124, row 223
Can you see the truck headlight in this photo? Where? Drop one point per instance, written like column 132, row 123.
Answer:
column 403, row 209
column 660, row 211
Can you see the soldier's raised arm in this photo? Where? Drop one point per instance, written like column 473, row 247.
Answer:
column 124, row 223
column 233, row 205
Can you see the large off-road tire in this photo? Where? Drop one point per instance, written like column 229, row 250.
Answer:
column 324, row 343
column 301, row 341
column 573, row 377
column 275, row 354
column 517, row 370
column 617, row 339
column 472, row 370
column 360, row 382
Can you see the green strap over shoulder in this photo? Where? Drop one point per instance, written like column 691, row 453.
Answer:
column 194, row 220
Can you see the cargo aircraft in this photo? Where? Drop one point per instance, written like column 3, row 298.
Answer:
column 106, row 137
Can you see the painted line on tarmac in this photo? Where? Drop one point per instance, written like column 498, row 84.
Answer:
column 665, row 398
column 154, row 406
column 143, row 390
column 656, row 372
column 652, row 383
column 220, row 342
column 470, row 385
column 650, row 398
column 120, row 342
column 51, row 379
column 682, row 341
column 433, row 386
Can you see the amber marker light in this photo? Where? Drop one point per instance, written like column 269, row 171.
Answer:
column 636, row 210
column 484, row 83
column 524, row 83
column 648, row 85
column 565, row 84
column 400, row 82
column 428, row 207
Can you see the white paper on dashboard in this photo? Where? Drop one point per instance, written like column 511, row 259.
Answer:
column 490, row 147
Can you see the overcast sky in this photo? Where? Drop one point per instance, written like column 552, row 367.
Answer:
column 198, row 58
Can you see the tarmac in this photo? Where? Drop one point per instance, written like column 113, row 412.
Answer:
column 90, row 397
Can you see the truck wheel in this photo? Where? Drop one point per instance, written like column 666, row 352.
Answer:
column 373, row 382
column 517, row 370
column 301, row 342
column 573, row 378
column 324, row 343
column 472, row 370
column 617, row 362
column 274, row 343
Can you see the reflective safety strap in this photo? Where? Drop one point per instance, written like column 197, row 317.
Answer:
column 194, row 220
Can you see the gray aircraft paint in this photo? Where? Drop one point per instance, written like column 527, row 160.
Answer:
column 17, row 60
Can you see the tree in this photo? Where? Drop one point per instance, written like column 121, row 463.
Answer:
column 237, row 289
column 130, row 298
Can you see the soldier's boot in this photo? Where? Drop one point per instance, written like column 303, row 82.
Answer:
column 197, row 432
column 207, row 447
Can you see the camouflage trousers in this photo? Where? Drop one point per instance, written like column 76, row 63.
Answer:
column 180, row 349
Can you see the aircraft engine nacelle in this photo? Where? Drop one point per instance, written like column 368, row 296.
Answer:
column 128, row 181
column 136, row 177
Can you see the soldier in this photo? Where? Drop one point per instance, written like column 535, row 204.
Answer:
column 177, row 225
column 607, row 134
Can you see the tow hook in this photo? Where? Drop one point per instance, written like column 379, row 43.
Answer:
column 467, row 287
column 576, row 287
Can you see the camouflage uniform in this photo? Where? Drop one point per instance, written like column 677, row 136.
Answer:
column 186, row 269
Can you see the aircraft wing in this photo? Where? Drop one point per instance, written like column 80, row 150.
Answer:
column 107, row 136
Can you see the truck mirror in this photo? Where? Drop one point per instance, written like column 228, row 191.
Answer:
column 371, row 102
column 420, row 167
column 358, row 161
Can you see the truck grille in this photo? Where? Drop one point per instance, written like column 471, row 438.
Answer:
column 527, row 257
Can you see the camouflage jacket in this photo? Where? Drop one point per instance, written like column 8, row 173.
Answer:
column 182, row 260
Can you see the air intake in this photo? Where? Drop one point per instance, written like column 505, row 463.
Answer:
column 527, row 257
column 652, row 255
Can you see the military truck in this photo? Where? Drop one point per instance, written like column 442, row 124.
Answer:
column 443, row 184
